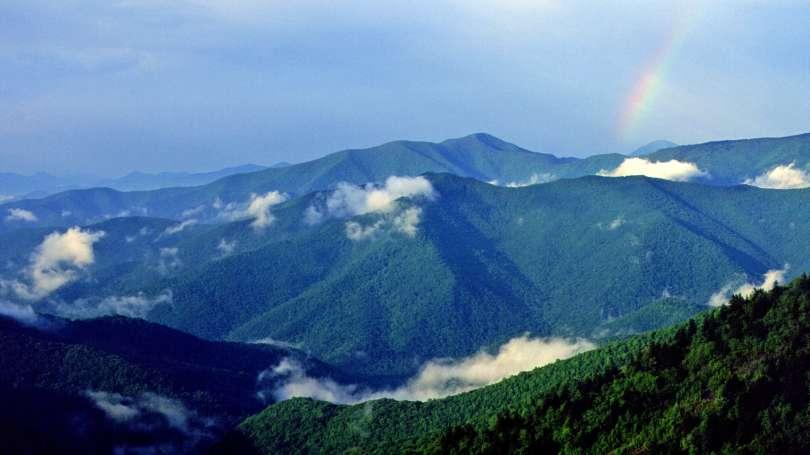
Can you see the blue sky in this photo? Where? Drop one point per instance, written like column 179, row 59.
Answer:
column 110, row 86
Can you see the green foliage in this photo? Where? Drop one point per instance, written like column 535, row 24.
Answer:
column 735, row 380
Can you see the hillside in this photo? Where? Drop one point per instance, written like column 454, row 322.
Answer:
column 590, row 257
column 734, row 380
column 55, row 370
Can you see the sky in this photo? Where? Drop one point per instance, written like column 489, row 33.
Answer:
column 111, row 86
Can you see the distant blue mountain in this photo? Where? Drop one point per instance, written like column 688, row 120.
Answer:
column 652, row 147
column 17, row 186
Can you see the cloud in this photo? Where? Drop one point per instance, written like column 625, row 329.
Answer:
column 21, row 215
column 4, row 198
column 679, row 171
column 179, row 227
column 169, row 260
column 257, row 209
column 23, row 314
column 226, row 248
column 745, row 290
column 616, row 223
column 436, row 378
column 535, row 179
column 133, row 306
column 782, row 177
column 356, row 231
column 158, row 419
column 351, row 200
column 56, row 261
column 192, row 212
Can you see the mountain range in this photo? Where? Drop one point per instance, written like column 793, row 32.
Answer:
column 41, row 184
column 479, row 156
column 592, row 257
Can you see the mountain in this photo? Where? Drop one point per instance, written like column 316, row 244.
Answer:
column 480, row 156
column 734, row 380
column 592, row 257
column 140, row 181
column 733, row 162
column 42, row 184
column 109, row 373
column 653, row 146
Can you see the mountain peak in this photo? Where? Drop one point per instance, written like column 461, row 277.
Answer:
column 653, row 147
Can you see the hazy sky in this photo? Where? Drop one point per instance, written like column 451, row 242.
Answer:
column 109, row 86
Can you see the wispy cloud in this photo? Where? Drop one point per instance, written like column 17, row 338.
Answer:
column 676, row 170
column 782, row 177
column 746, row 289
column 21, row 215
column 179, row 227
column 436, row 379
column 134, row 306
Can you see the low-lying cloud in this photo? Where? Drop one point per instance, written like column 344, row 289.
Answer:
column 256, row 209
column 56, row 262
column 436, row 378
column 351, row 200
column 166, row 424
column 179, row 227
column 782, row 177
column 21, row 215
column 746, row 289
column 134, row 306
column 679, row 171
column 24, row 314
column 534, row 179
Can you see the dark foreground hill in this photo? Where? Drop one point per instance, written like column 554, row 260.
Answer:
column 736, row 380
column 89, row 386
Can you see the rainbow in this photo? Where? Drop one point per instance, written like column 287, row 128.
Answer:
column 641, row 98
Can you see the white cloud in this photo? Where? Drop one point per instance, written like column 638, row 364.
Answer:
column 23, row 314
column 782, row 177
column 168, row 260
column 257, row 209
column 226, row 248
column 21, row 215
column 437, row 378
column 535, row 179
column 192, row 212
column 179, row 227
column 679, row 171
column 407, row 221
column 56, row 260
column 745, row 290
column 125, row 409
column 134, row 306
column 356, row 231
column 4, row 198
column 350, row 200
column 163, row 424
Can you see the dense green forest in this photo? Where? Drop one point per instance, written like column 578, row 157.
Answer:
column 591, row 257
column 735, row 380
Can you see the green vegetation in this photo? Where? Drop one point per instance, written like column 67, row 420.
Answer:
column 734, row 380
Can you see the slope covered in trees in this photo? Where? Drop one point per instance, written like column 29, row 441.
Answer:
column 734, row 380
